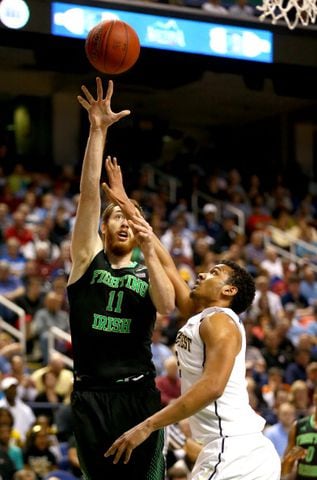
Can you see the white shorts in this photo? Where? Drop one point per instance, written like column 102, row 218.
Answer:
column 247, row 457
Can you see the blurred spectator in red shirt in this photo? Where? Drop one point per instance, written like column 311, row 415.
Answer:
column 169, row 383
column 18, row 229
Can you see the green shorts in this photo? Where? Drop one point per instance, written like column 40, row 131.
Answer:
column 102, row 415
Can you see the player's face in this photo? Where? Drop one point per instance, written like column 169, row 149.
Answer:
column 209, row 286
column 119, row 237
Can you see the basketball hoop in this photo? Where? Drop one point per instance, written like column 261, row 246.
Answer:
column 292, row 11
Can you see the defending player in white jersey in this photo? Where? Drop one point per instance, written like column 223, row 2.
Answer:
column 211, row 354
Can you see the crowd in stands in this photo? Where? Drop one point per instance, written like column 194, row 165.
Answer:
column 37, row 213
column 237, row 8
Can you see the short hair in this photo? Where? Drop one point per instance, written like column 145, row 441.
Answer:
column 244, row 282
column 110, row 207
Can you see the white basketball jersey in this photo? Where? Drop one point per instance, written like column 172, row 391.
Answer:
column 230, row 414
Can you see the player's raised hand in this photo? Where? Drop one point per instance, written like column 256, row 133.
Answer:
column 296, row 453
column 143, row 232
column 99, row 108
column 115, row 190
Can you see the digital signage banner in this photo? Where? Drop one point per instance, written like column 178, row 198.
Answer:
column 168, row 33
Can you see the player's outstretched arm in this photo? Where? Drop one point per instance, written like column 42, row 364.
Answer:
column 161, row 288
column 115, row 191
column 222, row 342
column 85, row 238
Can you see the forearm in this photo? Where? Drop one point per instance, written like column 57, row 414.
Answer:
column 287, row 467
column 92, row 164
column 182, row 298
column 162, row 291
column 189, row 403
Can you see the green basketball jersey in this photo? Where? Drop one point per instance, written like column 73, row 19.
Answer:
column 306, row 437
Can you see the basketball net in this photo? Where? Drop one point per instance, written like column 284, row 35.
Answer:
column 292, row 11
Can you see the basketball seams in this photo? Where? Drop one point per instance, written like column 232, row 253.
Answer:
column 127, row 43
column 106, row 43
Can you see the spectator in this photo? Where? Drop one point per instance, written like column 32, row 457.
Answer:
column 209, row 222
column 61, row 226
column 272, row 264
column 18, row 229
column 278, row 433
column 274, row 382
column 13, row 255
column 178, row 239
column 266, row 301
column 73, row 459
column 241, row 9
column 31, row 301
column 56, row 446
column 299, row 397
column 14, row 452
column 8, row 348
column 254, row 252
column 7, row 468
column 296, row 370
column 41, row 240
column 4, row 221
column 227, row 236
column 308, row 285
column 6, row 418
column 260, row 216
column 293, row 294
column 63, row 261
column 169, row 383
column 214, row 7
column 24, row 474
column 19, row 370
column 202, row 245
column 37, row 453
column 64, row 375
column 58, row 282
column 160, row 351
column 271, row 351
column 294, row 328
column 22, row 413
column 311, row 381
column 48, row 396
column 47, row 317
column 11, row 287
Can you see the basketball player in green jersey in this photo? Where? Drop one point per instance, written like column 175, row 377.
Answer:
column 113, row 302
column 300, row 458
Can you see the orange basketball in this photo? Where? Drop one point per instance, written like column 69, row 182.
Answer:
column 112, row 46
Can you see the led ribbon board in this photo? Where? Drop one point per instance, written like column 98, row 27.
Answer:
column 169, row 33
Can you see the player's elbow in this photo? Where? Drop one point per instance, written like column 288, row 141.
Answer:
column 166, row 308
column 214, row 391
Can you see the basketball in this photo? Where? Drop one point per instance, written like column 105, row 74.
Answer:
column 112, row 46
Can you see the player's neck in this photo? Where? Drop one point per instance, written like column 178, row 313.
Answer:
column 119, row 261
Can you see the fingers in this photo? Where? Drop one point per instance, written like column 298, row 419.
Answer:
column 106, row 189
column 109, row 91
column 83, row 102
column 119, row 451
column 111, row 163
column 87, row 93
column 123, row 113
column 139, row 220
column 99, row 88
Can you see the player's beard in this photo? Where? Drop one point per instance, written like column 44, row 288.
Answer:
column 116, row 247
